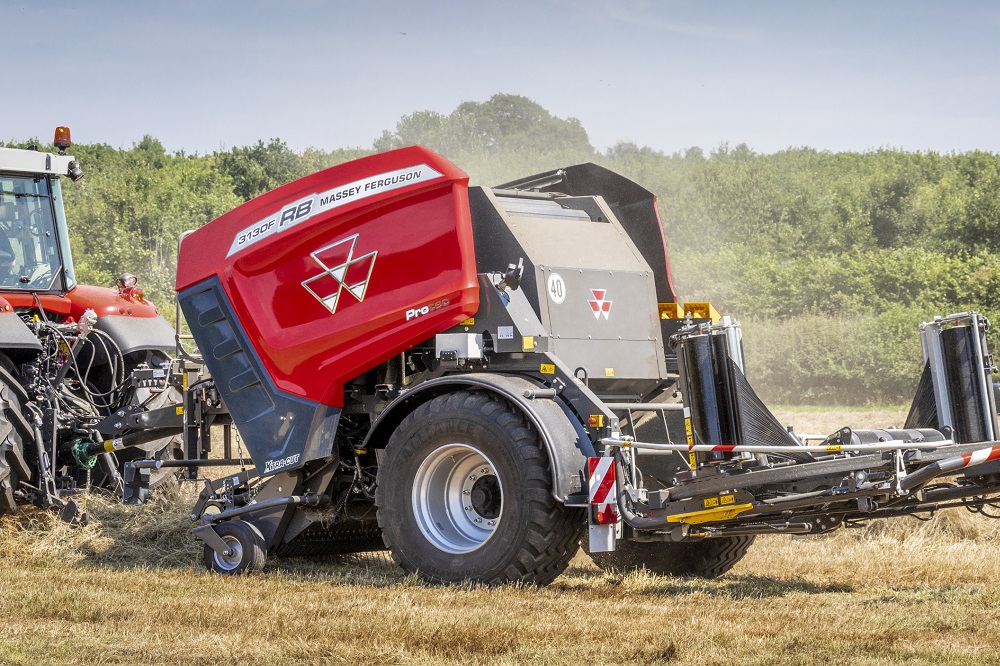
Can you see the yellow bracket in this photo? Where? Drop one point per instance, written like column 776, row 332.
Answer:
column 671, row 310
column 703, row 311
column 709, row 515
column 698, row 310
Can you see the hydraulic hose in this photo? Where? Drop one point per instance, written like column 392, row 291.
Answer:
column 631, row 518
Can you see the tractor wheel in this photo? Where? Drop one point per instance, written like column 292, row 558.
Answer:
column 168, row 448
column 249, row 551
column 465, row 493
column 708, row 558
column 14, row 431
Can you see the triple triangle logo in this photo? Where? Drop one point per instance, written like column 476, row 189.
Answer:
column 599, row 305
column 341, row 271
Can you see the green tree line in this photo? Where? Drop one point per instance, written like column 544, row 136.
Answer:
column 829, row 260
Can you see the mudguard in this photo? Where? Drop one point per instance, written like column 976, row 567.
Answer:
column 565, row 440
column 133, row 334
column 16, row 340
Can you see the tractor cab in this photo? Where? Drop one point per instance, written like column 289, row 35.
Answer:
column 34, row 242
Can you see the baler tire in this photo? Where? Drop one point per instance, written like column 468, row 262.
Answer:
column 708, row 558
column 249, row 549
column 439, row 447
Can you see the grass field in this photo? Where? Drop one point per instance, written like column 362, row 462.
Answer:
column 128, row 588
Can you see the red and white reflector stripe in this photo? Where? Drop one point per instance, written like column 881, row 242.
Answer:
column 602, row 489
column 981, row 456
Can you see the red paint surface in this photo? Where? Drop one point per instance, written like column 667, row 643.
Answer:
column 102, row 300
column 422, row 233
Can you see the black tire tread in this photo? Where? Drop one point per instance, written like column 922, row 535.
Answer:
column 14, row 429
column 708, row 558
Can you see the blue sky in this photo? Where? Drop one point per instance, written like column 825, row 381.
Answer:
column 203, row 76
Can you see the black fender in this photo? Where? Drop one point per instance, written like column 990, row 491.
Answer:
column 16, row 339
column 563, row 436
column 133, row 334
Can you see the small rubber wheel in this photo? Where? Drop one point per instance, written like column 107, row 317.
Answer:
column 248, row 550
column 709, row 558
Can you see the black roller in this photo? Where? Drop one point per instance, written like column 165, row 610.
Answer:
column 724, row 409
column 964, row 383
column 706, row 396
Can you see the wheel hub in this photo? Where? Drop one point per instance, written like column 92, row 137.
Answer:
column 485, row 496
column 457, row 498
column 231, row 561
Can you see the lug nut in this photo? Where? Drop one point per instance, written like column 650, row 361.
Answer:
column 468, row 508
column 479, row 520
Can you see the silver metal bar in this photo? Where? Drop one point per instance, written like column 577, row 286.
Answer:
column 730, row 448
column 930, row 336
column 981, row 376
column 646, row 406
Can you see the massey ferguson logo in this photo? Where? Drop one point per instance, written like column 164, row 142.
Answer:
column 599, row 305
column 341, row 271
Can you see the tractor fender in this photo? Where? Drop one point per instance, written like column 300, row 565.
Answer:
column 16, row 339
column 133, row 334
column 563, row 436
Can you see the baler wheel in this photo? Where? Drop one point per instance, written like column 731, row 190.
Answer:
column 708, row 558
column 465, row 493
column 249, row 551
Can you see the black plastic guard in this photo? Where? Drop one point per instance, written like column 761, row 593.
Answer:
column 16, row 340
column 923, row 410
column 281, row 431
column 138, row 333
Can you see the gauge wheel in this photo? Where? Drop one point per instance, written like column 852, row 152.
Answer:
column 248, row 552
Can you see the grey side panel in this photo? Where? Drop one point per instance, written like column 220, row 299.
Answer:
column 632, row 204
column 565, row 440
column 281, row 431
column 138, row 333
column 14, row 335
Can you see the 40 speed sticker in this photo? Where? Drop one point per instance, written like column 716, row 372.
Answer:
column 556, row 288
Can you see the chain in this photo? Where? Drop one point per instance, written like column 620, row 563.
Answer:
column 239, row 449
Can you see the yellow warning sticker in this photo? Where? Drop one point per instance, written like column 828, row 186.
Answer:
column 687, row 427
column 834, row 448
column 727, row 499
column 711, row 502
column 692, row 460
column 527, row 343
column 609, row 372
column 548, row 369
column 179, row 410
column 471, row 321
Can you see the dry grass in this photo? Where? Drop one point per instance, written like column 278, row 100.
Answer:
column 823, row 421
column 128, row 589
